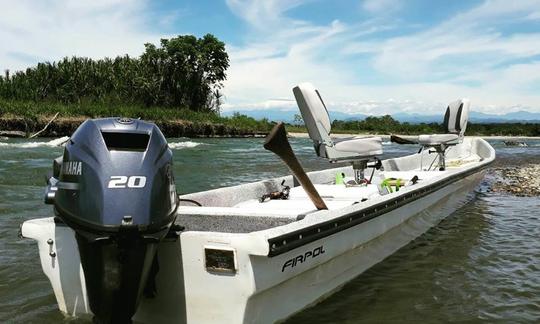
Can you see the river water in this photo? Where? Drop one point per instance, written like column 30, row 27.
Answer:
column 482, row 263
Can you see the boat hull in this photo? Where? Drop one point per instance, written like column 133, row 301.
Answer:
column 269, row 289
column 265, row 288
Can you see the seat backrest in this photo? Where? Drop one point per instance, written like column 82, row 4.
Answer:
column 313, row 112
column 456, row 116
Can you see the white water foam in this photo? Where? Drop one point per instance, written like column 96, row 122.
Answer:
column 52, row 143
column 183, row 145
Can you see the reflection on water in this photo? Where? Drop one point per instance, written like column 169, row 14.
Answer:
column 480, row 263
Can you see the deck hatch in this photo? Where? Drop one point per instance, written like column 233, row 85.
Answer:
column 220, row 260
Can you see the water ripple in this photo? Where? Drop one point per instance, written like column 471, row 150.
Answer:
column 482, row 263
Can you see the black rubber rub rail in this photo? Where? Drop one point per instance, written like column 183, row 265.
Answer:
column 284, row 243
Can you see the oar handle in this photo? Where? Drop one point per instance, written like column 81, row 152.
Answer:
column 276, row 141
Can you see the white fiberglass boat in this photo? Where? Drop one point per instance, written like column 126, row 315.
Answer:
column 253, row 253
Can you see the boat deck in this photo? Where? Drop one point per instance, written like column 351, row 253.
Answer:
column 238, row 209
column 252, row 215
column 335, row 196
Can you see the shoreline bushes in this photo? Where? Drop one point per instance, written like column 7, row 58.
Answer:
column 182, row 72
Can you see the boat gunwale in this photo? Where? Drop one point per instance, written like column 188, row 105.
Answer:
column 286, row 242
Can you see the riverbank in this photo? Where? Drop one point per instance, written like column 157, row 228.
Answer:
column 28, row 117
column 65, row 126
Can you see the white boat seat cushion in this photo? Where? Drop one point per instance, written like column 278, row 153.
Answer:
column 455, row 122
column 318, row 124
column 456, row 116
column 364, row 146
column 313, row 111
column 436, row 139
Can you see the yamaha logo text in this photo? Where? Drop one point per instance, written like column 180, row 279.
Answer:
column 303, row 258
column 72, row 168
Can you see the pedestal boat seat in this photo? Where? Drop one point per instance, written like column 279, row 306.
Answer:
column 455, row 122
column 356, row 150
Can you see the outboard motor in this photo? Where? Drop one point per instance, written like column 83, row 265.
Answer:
column 115, row 187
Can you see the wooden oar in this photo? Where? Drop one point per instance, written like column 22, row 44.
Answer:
column 278, row 143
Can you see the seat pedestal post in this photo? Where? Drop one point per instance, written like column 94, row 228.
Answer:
column 358, row 168
column 441, row 149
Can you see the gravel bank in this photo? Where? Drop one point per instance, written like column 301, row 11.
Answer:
column 523, row 181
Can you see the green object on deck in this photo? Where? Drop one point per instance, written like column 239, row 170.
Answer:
column 392, row 182
column 339, row 178
column 387, row 185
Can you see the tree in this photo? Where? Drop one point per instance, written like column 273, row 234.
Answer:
column 182, row 72
column 298, row 120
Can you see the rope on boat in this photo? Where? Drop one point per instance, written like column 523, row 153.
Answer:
column 191, row 201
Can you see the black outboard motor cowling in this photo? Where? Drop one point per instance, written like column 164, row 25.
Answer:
column 115, row 188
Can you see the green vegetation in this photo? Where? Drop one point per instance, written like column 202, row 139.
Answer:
column 388, row 125
column 504, row 129
column 183, row 72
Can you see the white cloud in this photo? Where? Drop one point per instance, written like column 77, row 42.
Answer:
column 381, row 6
column 282, row 55
column 534, row 15
column 33, row 31
column 279, row 104
column 288, row 54
column 463, row 56
column 263, row 14
column 467, row 41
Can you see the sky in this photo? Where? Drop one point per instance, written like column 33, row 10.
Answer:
column 364, row 56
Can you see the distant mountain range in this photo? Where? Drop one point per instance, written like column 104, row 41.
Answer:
column 475, row 117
